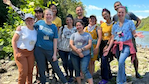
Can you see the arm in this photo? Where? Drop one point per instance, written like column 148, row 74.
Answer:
column 21, row 14
column 72, row 46
column 15, row 39
column 55, row 49
column 138, row 22
column 88, row 46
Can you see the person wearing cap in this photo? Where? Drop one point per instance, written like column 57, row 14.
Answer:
column 23, row 43
column 63, row 46
column 96, row 34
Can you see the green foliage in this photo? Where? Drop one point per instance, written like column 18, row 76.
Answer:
column 65, row 7
column 144, row 26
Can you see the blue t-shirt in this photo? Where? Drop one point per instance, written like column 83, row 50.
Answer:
column 45, row 34
column 81, row 40
column 123, row 33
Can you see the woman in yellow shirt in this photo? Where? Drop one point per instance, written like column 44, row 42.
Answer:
column 96, row 34
column 106, row 35
column 56, row 20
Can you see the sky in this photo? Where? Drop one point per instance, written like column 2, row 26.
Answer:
column 94, row 7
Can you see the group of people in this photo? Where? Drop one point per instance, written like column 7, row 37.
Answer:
column 79, row 43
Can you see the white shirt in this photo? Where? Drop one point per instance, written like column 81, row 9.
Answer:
column 27, row 38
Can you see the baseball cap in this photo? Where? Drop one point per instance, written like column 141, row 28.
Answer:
column 28, row 15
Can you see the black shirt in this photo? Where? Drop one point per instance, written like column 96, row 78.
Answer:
column 84, row 19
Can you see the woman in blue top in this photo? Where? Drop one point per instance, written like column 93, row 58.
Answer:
column 122, row 33
column 46, row 46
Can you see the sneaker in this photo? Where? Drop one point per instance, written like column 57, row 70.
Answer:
column 139, row 76
column 103, row 81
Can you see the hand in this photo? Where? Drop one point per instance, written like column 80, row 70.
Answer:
column 105, row 52
column 139, row 34
column 54, row 58
column 79, row 50
column 81, row 55
column 105, row 47
column 8, row 2
column 96, row 51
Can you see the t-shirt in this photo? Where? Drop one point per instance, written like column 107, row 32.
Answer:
column 45, row 35
column 57, row 21
column 81, row 40
column 106, row 30
column 129, row 16
column 27, row 38
column 64, row 37
column 123, row 33
column 84, row 19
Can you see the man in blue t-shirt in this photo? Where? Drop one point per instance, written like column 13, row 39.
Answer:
column 129, row 16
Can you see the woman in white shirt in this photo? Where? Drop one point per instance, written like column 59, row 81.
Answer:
column 23, row 43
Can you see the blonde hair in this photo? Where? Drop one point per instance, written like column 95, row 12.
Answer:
column 47, row 9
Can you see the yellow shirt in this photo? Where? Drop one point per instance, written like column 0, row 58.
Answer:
column 106, row 31
column 57, row 21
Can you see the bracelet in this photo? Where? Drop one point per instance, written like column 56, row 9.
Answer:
column 83, row 49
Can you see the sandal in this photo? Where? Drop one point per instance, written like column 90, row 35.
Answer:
column 103, row 81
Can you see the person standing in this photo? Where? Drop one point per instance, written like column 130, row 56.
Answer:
column 122, row 32
column 129, row 16
column 106, row 37
column 80, row 43
column 23, row 43
column 63, row 46
column 96, row 34
column 79, row 12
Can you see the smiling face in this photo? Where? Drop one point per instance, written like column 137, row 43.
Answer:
column 117, row 5
column 29, row 21
column 121, row 12
column 48, row 16
column 79, row 11
column 92, row 21
column 54, row 9
column 69, row 21
column 39, row 15
column 106, row 15
column 79, row 26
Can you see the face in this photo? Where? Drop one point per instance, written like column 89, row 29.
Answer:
column 79, row 11
column 79, row 27
column 121, row 13
column 39, row 15
column 48, row 16
column 69, row 21
column 117, row 5
column 92, row 21
column 29, row 21
column 54, row 9
column 106, row 15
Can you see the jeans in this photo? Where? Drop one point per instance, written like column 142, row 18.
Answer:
column 81, row 64
column 67, row 63
column 40, row 56
column 121, row 77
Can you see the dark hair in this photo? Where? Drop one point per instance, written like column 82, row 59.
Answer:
column 69, row 15
column 55, row 6
column 93, row 17
column 106, row 11
column 80, row 22
column 38, row 9
column 117, row 2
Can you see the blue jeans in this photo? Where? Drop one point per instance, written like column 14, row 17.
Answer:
column 81, row 64
column 40, row 56
column 67, row 64
column 121, row 77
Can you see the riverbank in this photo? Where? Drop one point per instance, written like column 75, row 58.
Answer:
column 10, row 77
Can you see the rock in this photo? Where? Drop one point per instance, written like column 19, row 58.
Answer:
column 2, row 70
column 11, row 63
column 144, row 80
column 2, row 61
